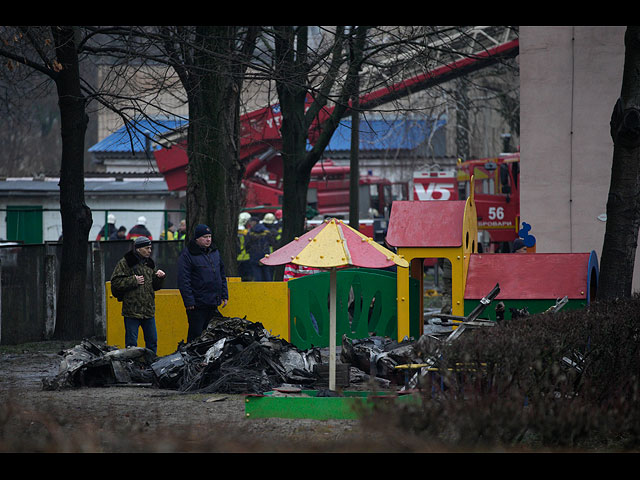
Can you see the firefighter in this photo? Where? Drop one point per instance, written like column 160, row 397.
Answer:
column 278, row 215
column 274, row 227
column 111, row 228
column 170, row 234
column 244, row 269
column 139, row 229
column 259, row 242
column 181, row 234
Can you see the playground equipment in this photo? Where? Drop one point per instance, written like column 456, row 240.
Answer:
column 535, row 281
column 330, row 246
column 425, row 230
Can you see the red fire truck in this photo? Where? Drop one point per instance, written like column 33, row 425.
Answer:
column 497, row 193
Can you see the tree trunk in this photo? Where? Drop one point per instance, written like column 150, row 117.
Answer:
column 214, row 174
column 292, row 86
column 296, row 172
column 76, row 215
column 623, row 204
column 462, row 119
column 354, row 160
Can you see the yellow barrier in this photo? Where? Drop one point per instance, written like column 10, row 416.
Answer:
column 264, row 302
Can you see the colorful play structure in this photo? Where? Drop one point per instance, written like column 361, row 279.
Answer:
column 389, row 302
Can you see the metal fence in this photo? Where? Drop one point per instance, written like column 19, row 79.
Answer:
column 29, row 275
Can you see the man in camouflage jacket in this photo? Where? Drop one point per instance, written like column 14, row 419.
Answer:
column 137, row 274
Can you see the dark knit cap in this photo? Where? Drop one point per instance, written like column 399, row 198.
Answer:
column 140, row 242
column 201, row 230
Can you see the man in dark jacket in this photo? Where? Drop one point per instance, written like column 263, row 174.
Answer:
column 137, row 274
column 202, row 281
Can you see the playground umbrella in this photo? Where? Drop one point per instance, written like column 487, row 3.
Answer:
column 330, row 246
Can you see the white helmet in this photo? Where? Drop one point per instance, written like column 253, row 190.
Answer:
column 111, row 218
column 142, row 220
column 269, row 219
column 242, row 219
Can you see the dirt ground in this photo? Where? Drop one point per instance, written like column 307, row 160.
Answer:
column 145, row 419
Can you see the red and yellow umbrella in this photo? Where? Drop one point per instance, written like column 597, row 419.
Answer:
column 330, row 246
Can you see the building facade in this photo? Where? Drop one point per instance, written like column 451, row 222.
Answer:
column 570, row 79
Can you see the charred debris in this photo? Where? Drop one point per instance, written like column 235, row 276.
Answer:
column 235, row 355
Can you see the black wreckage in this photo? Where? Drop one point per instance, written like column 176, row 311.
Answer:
column 233, row 355
column 236, row 356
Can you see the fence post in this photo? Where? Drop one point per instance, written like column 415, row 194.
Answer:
column 50, row 291
column 99, row 294
column 0, row 302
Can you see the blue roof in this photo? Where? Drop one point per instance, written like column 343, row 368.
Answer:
column 400, row 133
column 135, row 138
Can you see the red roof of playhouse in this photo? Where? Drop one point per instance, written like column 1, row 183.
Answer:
column 534, row 276
column 426, row 224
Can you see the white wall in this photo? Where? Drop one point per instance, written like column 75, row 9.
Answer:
column 570, row 79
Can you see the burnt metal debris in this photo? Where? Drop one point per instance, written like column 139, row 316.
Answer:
column 91, row 364
column 235, row 355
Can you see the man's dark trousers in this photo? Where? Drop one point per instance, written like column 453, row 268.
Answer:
column 199, row 318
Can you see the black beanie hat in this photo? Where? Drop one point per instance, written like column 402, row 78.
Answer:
column 201, row 230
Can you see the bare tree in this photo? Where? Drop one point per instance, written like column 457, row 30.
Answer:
column 623, row 204
column 331, row 76
column 212, row 74
column 53, row 52
column 207, row 64
column 292, row 76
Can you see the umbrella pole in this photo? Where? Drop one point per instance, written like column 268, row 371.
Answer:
column 332, row 329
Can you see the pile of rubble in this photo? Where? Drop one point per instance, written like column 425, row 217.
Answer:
column 235, row 355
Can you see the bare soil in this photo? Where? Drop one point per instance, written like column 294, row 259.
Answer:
column 147, row 419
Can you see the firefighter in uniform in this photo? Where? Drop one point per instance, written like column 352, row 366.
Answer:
column 244, row 269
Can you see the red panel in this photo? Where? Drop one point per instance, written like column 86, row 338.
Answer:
column 426, row 224
column 363, row 254
column 176, row 180
column 259, row 194
column 530, row 276
column 171, row 158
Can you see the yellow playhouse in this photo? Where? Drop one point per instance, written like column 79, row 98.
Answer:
column 432, row 229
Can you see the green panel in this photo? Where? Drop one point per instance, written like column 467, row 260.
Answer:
column 533, row 306
column 308, row 405
column 24, row 223
column 374, row 308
